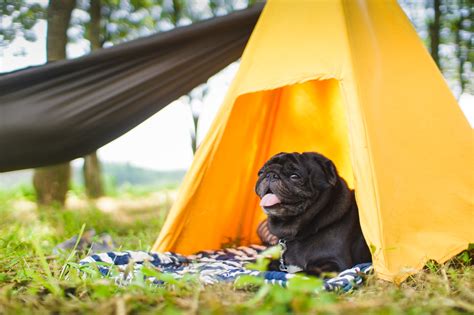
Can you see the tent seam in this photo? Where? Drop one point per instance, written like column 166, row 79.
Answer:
column 364, row 125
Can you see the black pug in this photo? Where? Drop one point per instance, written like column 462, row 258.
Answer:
column 313, row 212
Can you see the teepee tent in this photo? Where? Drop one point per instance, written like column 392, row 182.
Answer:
column 351, row 80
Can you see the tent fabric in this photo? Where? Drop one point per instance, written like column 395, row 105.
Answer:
column 67, row 109
column 351, row 80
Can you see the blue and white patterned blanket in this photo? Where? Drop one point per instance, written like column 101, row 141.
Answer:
column 224, row 265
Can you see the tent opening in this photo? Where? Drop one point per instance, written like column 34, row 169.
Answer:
column 306, row 116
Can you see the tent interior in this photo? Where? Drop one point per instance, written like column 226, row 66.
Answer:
column 301, row 117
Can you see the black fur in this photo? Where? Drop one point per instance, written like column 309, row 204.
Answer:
column 317, row 216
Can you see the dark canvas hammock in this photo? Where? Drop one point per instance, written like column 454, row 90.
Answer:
column 67, row 109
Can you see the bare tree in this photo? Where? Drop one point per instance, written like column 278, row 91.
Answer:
column 435, row 29
column 195, row 100
column 52, row 183
column 463, row 27
column 92, row 168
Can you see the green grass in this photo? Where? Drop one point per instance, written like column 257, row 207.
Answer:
column 32, row 280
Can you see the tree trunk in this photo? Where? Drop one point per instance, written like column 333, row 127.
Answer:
column 175, row 17
column 459, row 54
column 94, row 24
column 59, row 16
column 463, row 46
column 435, row 27
column 177, row 12
column 92, row 176
column 467, row 81
column 194, row 131
column 52, row 183
column 92, row 169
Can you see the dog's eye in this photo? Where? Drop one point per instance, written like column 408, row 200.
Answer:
column 260, row 173
column 295, row 176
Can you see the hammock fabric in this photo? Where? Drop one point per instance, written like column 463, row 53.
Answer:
column 211, row 267
column 67, row 109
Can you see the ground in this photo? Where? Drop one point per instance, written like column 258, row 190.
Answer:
column 33, row 280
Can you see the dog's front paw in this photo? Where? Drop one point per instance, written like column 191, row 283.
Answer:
column 321, row 269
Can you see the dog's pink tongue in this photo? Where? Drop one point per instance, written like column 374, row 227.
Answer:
column 269, row 200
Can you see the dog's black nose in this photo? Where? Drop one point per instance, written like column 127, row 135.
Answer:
column 273, row 176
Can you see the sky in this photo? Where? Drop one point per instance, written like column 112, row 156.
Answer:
column 163, row 141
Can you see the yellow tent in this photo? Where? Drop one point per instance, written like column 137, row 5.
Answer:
column 351, row 80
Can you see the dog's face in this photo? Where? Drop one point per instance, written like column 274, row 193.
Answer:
column 290, row 184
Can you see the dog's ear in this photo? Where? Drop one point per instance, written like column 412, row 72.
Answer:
column 326, row 166
column 277, row 156
column 329, row 170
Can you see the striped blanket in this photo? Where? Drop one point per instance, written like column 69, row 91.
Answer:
column 210, row 267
